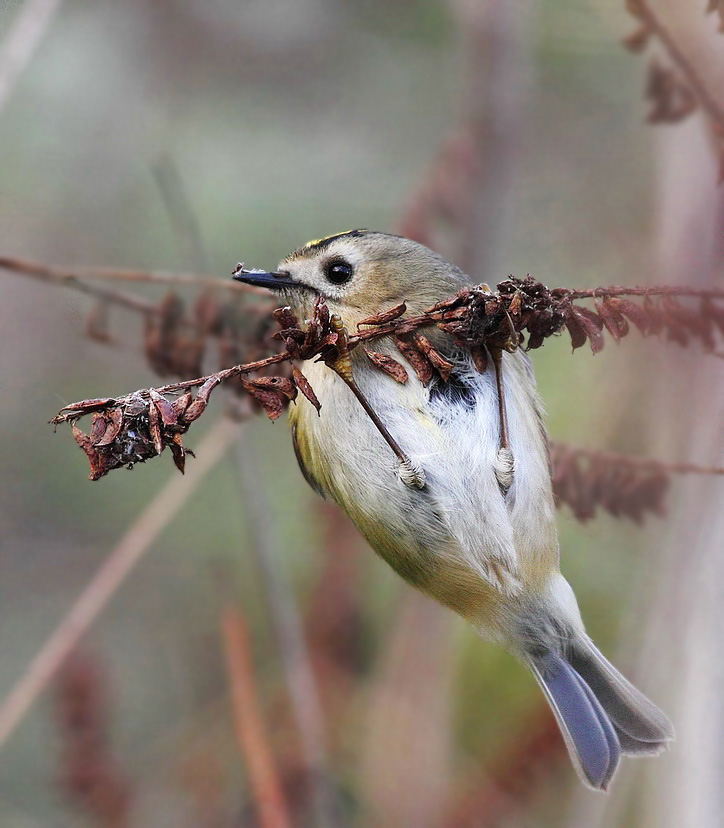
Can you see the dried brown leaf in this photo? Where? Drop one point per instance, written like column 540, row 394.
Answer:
column 169, row 416
column 633, row 312
column 592, row 324
column 304, row 386
column 439, row 363
column 98, row 428
column 387, row 364
column 421, row 365
column 715, row 312
column 113, row 422
column 178, row 452
column 577, row 332
column 271, row 393
column 675, row 330
column 383, row 317
column 614, row 322
column 154, row 428
column 695, row 322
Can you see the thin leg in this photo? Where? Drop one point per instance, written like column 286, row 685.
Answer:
column 497, row 355
column 411, row 474
column 505, row 462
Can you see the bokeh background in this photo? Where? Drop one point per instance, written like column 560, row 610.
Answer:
column 275, row 122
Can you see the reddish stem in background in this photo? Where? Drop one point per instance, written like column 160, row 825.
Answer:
column 251, row 734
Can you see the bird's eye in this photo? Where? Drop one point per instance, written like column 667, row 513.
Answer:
column 337, row 271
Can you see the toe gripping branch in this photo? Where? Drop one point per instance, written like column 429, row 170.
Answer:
column 409, row 472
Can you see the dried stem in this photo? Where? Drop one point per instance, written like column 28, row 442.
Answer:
column 660, row 290
column 51, row 273
column 112, row 573
column 644, row 463
column 250, row 730
column 432, row 316
column 138, row 426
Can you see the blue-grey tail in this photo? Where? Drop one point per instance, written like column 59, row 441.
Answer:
column 600, row 713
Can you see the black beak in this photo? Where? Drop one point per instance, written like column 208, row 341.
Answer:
column 260, row 278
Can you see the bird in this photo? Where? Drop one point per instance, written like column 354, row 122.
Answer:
column 467, row 518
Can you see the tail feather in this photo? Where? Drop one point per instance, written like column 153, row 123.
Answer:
column 600, row 713
column 633, row 747
column 589, row 737
column 612, row 737
column 630, row 711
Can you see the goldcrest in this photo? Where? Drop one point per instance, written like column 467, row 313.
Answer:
column 477, row 538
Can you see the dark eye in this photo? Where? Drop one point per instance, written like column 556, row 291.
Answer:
column 337, row 271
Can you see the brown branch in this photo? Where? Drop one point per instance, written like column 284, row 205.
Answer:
column 123, row 299
column 51, row 273
column 251, row 734
column 139, row 426
column 657, row 290
column 112, row 573
column 643, row 463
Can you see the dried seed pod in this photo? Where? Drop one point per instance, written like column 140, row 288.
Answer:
column 592, row 324
column 383, row 317
column 304, row 386
column 420, row 364
column 437, row 360
column 389, row 365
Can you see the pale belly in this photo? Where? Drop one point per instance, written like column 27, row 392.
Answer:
column 460, row 540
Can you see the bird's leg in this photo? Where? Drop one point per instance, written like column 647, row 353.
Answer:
column 410, row 473
column 505, row 462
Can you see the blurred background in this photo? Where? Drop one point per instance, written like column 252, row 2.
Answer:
column 184, row 136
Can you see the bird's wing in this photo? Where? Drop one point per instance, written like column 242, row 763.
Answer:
column 304, row 459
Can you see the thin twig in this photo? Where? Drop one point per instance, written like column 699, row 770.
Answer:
column 117, row 297
column 21, row 42
column 51, row 273
column 643, row 463
column 112, row 573
column 249, row 724
column 661, row 290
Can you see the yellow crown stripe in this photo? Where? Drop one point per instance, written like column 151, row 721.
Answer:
column 327, row 239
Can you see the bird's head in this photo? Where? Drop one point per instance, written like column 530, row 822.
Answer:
column 359, row 273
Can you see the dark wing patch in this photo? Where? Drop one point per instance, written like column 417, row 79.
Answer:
column 455, row 391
